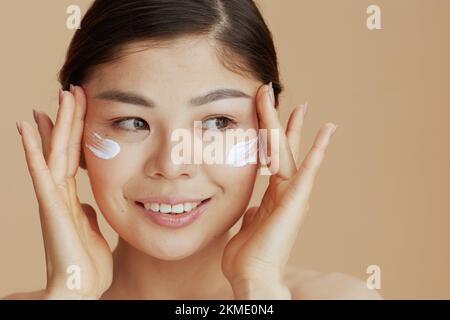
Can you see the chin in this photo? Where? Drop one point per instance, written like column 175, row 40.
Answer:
column 168, row 248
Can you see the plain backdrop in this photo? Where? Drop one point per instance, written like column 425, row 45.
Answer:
column 382, row 195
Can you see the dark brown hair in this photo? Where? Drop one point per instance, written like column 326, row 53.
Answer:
column 245, row 44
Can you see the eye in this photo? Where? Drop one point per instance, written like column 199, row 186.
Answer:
column 217, row 123
column 131, row 124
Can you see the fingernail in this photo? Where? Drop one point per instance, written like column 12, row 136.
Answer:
column 333, row 130
column 305, row 109
column 19, row 127
column 271, row 94
column 35, row 115
column 61, row 94
column 72, row 89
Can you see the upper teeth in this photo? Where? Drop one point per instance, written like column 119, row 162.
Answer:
column 174, row 208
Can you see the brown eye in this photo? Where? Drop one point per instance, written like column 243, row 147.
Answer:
column 132, row 124
column 217, row 123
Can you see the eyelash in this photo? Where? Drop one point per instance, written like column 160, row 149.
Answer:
column 231, row 121
column 117, row 123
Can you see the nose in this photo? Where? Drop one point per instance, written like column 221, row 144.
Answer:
column 162, row 165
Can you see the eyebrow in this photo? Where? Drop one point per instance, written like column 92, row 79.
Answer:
column 139, row 100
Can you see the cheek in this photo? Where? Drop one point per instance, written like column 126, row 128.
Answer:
column 237, row 186
column 108, row 177
column 242, row 154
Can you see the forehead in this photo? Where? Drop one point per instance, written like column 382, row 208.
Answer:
column 176, row 67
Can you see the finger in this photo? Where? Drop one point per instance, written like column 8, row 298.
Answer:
column 57, row 161
column 281, row 161
column 57, row 229
column 77, row 131
column 248, row 218
column 45, row 127
column 281, row 228
column 301, row 186
column 91, row 216
column 311, row 164
column 40, row 175
column 294, row 130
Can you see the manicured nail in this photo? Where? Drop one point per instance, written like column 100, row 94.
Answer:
column 19, row 127
column 271, row 94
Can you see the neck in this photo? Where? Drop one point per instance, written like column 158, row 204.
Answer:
column 138, row 275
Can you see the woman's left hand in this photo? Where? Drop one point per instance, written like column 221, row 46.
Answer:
column 255, row 258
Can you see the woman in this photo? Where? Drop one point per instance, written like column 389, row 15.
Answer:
column 136, row 72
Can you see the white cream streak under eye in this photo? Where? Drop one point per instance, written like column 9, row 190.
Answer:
column 243, row 153
column 101, row 147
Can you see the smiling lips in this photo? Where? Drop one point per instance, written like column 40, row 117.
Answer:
column 172, row 209
column 172, row 206
column 173, row 212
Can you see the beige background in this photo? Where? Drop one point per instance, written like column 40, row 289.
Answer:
column 382, row 194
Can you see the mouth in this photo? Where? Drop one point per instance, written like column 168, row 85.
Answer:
column 173, row 212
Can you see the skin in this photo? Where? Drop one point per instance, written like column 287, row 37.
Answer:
column 203, row 260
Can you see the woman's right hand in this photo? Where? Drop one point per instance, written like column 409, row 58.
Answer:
column 74, row 245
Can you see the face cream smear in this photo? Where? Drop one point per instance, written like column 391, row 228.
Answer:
column 243, row 153
column 101, row 147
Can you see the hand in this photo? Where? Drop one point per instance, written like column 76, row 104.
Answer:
column 70, row 229
column 255, row 258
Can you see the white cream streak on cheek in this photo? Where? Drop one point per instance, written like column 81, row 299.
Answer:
column 243, row 153
column 101, row 147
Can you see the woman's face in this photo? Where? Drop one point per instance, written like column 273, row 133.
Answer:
column 134, row 107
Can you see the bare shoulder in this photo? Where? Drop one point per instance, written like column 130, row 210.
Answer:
column 315, row 285
column 33, row 295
